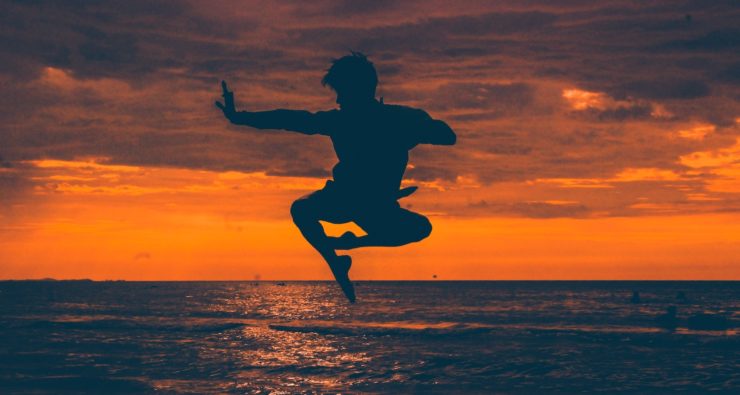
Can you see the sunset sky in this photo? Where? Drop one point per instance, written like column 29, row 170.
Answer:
column 596, row 140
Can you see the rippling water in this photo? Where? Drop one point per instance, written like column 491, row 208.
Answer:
column 423, row 337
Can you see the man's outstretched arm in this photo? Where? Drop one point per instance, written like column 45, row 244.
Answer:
column 294, row 120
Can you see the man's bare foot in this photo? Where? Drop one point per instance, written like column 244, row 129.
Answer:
column 346, row 241
column 340, row 268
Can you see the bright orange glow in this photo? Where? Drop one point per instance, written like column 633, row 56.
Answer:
column 724, row 164
column 581, row 100
column 645, row 174
column 232, row 225
column 189, row 247
column 697, row 132
column 717, row 158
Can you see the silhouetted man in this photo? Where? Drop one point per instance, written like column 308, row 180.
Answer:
column 371, row 140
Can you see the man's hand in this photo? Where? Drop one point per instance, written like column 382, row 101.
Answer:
column 294, row 120
column 228, row 105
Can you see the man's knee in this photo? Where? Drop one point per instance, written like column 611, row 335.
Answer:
column 299, row 210
column 413, row 230
column 423, row 228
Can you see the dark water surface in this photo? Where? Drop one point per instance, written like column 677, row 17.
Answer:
column 401, row 337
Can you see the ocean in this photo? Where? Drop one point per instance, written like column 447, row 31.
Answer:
column 438, row 337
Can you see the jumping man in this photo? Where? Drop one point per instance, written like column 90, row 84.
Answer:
column 372, row 141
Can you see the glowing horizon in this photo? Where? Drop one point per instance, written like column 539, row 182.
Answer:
column 129, row 229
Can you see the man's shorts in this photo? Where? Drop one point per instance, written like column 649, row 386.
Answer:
column 331, row 204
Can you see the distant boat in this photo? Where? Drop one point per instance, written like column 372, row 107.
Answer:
column 635, row 297
column 281, row 284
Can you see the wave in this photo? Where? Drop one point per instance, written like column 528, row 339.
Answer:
column 75, row 384
column 380, row 328
column 111, row 324
column 406, row 328
column 328, row 327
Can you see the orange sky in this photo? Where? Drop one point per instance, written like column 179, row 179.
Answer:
column 91, row 220
column 595, row 141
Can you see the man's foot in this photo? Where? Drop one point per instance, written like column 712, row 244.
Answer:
column 346, row 241
column 340, row 268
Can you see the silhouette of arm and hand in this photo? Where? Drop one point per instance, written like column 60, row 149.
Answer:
column 433, row 131
column 293, row 120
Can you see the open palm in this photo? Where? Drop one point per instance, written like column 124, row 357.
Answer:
column 228, row 105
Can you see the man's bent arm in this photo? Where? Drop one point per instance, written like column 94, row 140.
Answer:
column 294, row 120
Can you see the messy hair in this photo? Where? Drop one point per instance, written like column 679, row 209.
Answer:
column 352, row 73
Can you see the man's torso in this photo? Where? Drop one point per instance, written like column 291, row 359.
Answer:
column 372, row 147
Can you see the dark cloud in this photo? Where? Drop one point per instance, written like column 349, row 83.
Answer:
column 503, row 98
column 431, row 173
column 620, row 113
column 4, row 164
column 661, row 89
column 96, row 39
column 529, row 209
column 304, row 169
column 718, row 40
column 451, row 36
column 730, row 74
column 344, row 8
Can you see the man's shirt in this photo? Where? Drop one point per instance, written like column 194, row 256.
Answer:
column 372, row 147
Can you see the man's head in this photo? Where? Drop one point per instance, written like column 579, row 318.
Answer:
column 353, row 78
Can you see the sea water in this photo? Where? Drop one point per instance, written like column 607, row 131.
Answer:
column 401, row 337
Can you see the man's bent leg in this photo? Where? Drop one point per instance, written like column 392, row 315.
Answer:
column 400, row 228
column 306, row 216
column 307, row 220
